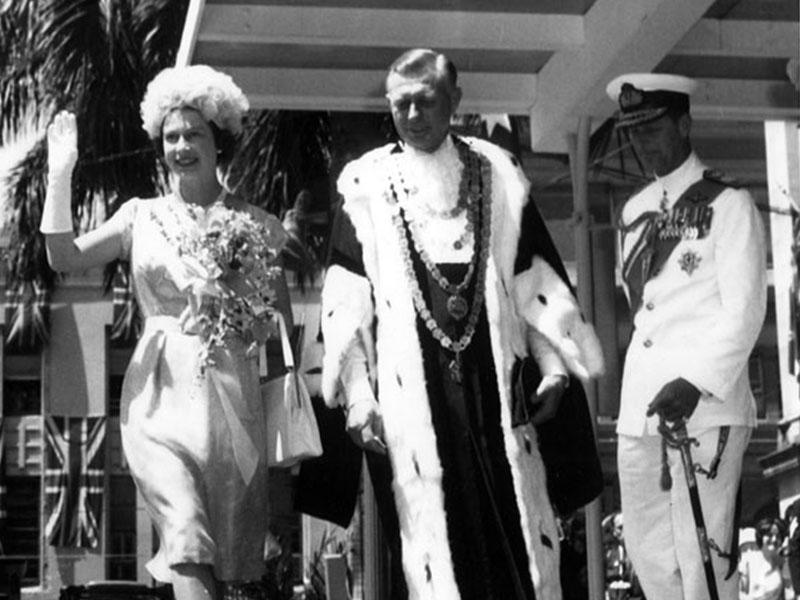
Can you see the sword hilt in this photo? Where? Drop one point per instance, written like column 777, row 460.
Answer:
column 675, row 435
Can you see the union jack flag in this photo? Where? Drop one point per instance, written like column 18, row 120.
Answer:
column 75, row 464
column 27, row 311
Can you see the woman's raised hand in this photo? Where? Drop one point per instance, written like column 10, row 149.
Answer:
column 62, row 154
column 62, row 144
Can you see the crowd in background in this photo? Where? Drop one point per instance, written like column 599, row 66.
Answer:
column 768, row 562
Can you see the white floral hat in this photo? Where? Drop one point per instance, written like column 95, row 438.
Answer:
column 212, row 93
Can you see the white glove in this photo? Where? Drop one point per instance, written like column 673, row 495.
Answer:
column 62, row 154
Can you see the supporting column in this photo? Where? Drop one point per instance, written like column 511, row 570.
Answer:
column 606, row 324
column 191, row 29
column 578, row 160
column 781, row 139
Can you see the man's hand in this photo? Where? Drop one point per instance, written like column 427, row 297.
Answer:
column 365, row 425
column 544, row 404
column 676, row 400
column 62, row 144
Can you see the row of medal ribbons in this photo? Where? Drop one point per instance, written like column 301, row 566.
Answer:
column 686, row 223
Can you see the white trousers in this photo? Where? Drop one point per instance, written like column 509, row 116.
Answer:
column 659, row 527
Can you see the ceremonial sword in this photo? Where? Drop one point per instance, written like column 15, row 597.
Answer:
column 677, row 437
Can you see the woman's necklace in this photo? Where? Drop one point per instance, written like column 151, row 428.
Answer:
column 175, row 235
column 455, row 303
column 197, row 210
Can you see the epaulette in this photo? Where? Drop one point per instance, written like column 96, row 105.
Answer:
column 721, row 178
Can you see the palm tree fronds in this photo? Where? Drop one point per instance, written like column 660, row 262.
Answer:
column 89, row 56
column 95, row 57
column 18, row 84
column 27, row 260
column 281, row 153
column 72, row 43
column 155, row 28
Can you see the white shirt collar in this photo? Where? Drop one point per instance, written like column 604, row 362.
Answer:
column 676, row 182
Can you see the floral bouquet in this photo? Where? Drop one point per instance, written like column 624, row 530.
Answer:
column 230, row 268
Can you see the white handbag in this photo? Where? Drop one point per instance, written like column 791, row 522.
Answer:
column 292, row 431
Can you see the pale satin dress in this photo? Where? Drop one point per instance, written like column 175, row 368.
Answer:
column 194, row 440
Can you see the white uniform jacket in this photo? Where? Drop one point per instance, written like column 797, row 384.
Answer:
column 701, row 315
column 393, row 353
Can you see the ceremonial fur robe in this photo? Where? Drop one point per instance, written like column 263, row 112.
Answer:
column 375, row 312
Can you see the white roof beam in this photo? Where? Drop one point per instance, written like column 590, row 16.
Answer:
column 735, row 99
column 362, row 90
column 390, row 28
column 758, row 39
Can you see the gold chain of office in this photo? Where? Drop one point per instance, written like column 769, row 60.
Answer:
column 476, row 183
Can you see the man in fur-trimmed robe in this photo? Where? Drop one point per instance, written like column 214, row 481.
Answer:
column 442, row 274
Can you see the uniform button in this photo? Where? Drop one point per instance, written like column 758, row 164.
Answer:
column 648, row 343
column 649, row 306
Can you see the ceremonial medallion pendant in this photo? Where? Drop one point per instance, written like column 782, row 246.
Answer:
column 455, row 369
column 689, row 261
column 457, row 307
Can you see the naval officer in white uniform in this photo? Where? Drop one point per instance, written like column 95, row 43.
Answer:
column 692, row 257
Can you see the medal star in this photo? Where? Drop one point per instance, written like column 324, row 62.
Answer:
column 689, row 261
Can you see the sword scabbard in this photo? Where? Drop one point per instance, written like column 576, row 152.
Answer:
column 677, row 437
